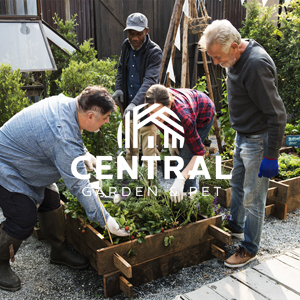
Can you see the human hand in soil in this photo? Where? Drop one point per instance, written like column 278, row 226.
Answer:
column 114, row 228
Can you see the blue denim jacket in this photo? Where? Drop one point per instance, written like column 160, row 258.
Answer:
column 38, row 146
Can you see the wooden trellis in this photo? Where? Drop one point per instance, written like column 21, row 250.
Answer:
column 196, row 25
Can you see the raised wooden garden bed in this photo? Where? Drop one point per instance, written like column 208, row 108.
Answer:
column 192, row 244
column 223, row 195
column 283, row 195
column 287, row 192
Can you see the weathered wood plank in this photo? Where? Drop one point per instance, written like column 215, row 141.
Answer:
column 122, row 265
column 220, row 234
column 296, row 251
column 270, row 209
column 272, row 191
column 185, row 236
column 293, row 202
column 204, row 293
column 295, row 263
column 231, row 288
column 264, row 285
column 282, row 190
column 160, row 266
column 91, row 236
column 282, row 273
column 280, row 208
column 293, row 255
column 126, row 287
column 224, row 197
column 218, row 252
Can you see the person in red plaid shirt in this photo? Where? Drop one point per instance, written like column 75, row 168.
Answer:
column 196, row 113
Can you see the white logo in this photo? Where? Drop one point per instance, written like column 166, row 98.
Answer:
column 152, row 118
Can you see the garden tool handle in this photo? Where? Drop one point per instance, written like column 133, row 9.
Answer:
column 104, row 219
column 103, row 212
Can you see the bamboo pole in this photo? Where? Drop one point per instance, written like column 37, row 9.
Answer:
column 173, row 48
column 176, row 11
column 206, row 70
column 184, row 51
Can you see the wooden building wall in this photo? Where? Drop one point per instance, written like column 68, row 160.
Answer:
column 104, row 21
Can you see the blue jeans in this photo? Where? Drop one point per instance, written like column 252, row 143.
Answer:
column 186, row 154
column 248, row 191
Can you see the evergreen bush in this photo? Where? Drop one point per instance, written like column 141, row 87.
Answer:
column 12, row 97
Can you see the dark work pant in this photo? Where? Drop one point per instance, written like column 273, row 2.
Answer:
column 21, row 212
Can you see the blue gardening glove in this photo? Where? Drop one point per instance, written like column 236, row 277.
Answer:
column 130, row 108
column 268, row 167
column 118, row 97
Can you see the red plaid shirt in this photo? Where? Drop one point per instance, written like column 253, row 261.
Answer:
column 194, row 110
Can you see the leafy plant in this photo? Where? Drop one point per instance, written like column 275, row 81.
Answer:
column 149, row 214
column 201, row 85
column 259, row 26
column 288, row 59
column 291, row 129
column 282, row 43
column 228, row 133
column 289, row 166
column 12, row 97
column 211, row 167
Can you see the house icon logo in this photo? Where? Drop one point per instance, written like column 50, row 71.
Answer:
column 152, row 118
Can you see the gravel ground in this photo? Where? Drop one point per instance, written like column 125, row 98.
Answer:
column 42, row 280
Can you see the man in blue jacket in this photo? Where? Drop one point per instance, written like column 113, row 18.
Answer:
column 38, row 146
column 138, row 69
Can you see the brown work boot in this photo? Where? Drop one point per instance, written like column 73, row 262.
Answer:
column 238, row 235
column 239, row 259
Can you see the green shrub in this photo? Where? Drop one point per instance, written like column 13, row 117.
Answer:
column 12, row 97
column 259, row 27
column 282, row 44
column 78, row 75
column 68, row 31
column 288, row 60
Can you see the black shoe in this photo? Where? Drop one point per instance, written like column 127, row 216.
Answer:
column 66, row 255
column 239, row 235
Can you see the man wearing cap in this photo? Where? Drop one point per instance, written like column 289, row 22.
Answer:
column 138, row 69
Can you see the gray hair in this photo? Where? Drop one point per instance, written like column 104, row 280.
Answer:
column 219, row 32
column 96, row 99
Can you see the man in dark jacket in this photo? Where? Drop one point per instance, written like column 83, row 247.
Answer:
column 138, row 69
column 258, row 115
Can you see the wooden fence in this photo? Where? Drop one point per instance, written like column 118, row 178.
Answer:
column 104, row 21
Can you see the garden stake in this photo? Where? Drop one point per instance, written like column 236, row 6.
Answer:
column 104, row 218
column 103, row 213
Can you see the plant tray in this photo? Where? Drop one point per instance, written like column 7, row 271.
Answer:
column 193, row 243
